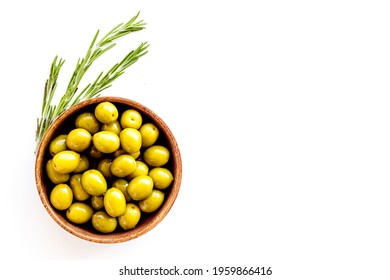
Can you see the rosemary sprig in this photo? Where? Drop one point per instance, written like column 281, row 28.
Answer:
column 102, row 82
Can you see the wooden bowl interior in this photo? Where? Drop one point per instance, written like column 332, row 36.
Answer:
column 62, row 125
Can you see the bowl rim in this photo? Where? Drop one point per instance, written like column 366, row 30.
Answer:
column 115, row 237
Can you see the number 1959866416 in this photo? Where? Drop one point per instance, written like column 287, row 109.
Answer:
column 238, row 270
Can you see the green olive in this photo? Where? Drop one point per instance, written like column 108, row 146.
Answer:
column 93, row 182
column 114, row 202
column 58, row 144
column 123, row 165
column 78, row 139
column 106, row 112
column 119, row 152
column 131, row 217
column 141, row 169
column 140, row 187
column 113, row 127
column 78, row 192
column 152, row 202
column 104, row 167
column 106, row 141
column 104, row 223
column 149, row 133
column 87, row 121
column 83, row 164
column 66, row 161
column 121, row 184
column 162, row 177
column 131, row 140
column 54, row 176
column 79, row 213
column 131, row 118
column 97, row 202
column 61, row 197
column 94, row 153
column 156, row 155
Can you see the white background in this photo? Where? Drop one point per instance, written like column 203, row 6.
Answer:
column 281, row 112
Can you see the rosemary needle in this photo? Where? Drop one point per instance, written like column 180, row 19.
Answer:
column 103, row 81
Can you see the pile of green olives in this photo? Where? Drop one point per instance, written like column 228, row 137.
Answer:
column 109, row 169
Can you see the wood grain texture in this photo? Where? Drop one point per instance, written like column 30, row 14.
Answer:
column 66, row 120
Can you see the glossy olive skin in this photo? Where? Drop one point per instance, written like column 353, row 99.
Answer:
column 140, row 187
column 149, row 133
column 93, row 182
column 141, row 169
column 106, row 141
column 130, row 140
column 106, row 112
column 66, row 161
column 103, row 222
column 104, row 167
column 156, row 155
column 131, row 217
column 58, row 144
column 78, row 192
column 122, row 184
column 94, row 153
column 131, row 118
column 79, row 213
column 122, row 166
column 97, row 202
column 61, row 197
column 54, row 176
column 114, row 127
column 78, row 139
column 114, row 202
column 162, row 177
column 83, row 164
column 87, row 121
column 152, row 202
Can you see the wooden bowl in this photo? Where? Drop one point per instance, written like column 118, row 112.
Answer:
column 148, row 221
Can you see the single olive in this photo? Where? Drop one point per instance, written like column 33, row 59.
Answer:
column 152, row 202
column 113, row 127
column 61, row 197
column 141, row 169
column 114, row 202
column 119, row 152
column 103, row 222
column 94, row 153
column 83, row 164
column 106, row 112
column 106, row 141
column 79, row 213
column 131, row 118
column 149, row 133
column 140, row 187
column 97, row 202
column 156, row 155
column 78, row 139
column 78, row 192
column 131, row 217
column 122, row 166
column 122, row 184
column 130, row 140
column 162, row 177
column 54, row 176
column 66, row 161
column 93, row 182
column 104, row 167
column 87, row 121
column 58, row 144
